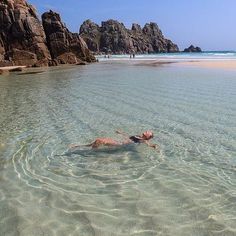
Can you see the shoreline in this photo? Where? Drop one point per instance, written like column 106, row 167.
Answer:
column 228, row 64
column 12, row 68
column 23, row 70
column 7, row 69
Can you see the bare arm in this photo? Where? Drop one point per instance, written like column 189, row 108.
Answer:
column 155, row 146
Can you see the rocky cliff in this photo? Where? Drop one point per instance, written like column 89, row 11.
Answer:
column 23, row 40
column 65, row 47
column 112, row 36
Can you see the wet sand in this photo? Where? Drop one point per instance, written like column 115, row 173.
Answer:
column 154, row 63
column 209, row 63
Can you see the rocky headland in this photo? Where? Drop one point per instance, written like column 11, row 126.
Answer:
column 113, row 37
column 24, row 40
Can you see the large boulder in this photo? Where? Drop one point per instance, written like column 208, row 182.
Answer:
column 193, row 49
column 65, row 47
column 112, row 36
column 22, row 38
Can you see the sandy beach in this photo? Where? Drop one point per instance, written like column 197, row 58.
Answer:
column 6, row 69
column 220, row 64
column 214, row 64
column 9, row 68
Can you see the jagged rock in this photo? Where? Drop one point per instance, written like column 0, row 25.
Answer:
column 91, row 34
column 157, row 42
column 22, row 39
column 193, row 49
column 2, row 50
column 23, row 57
column 136, row 28
column 6, row 63
column 65, row 47
column 53, row 63
column 113, row 37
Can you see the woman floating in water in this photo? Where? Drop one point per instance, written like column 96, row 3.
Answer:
column 143, row 138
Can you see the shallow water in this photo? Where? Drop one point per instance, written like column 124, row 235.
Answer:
column 188, row 188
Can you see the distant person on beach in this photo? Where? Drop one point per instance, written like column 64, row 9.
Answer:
column 143, row 138
column 134, row 55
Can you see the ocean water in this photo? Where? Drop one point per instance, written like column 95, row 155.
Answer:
column 186, row 188
column 180, row 56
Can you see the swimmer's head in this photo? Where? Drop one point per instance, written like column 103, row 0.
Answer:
column 147, row 135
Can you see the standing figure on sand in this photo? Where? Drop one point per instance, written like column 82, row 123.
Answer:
column 143, row 138
column 107, row 55
column 132, row 55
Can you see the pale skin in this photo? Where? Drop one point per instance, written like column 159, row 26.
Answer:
column 143, row 138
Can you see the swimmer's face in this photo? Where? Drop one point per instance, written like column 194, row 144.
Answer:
column 148, row 135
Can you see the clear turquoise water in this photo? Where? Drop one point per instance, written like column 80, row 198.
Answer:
column 189, row 188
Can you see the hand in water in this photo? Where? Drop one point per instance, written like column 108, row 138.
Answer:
column 156, row 147
column 119, row 132
column 72, row 146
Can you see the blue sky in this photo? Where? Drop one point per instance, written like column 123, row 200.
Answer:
column 209, row 24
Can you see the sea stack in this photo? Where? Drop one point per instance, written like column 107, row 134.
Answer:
column 193, row 49
column 113, row 37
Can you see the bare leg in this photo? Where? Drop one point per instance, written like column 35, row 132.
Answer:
column 99, row 142
column 105, row 142
column 81, row 145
